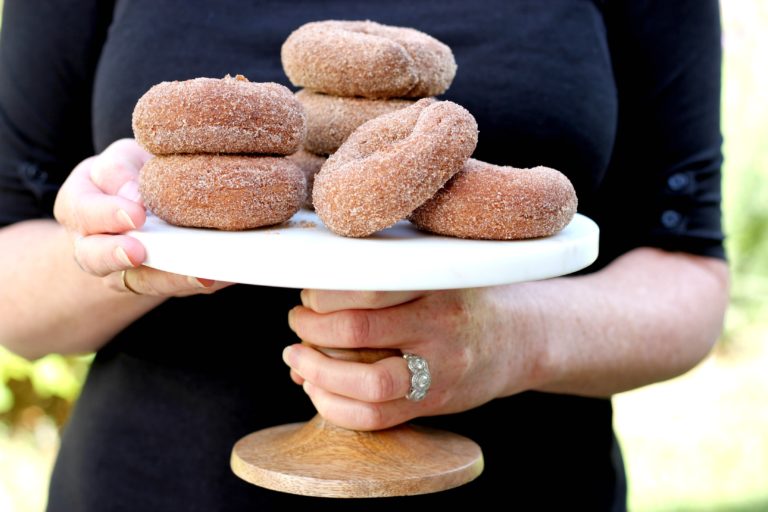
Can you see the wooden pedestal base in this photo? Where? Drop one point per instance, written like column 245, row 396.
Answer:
column 320, row 459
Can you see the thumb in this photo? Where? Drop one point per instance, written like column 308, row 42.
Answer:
column 116, row 170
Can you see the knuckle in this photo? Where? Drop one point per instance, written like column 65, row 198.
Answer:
column 354, row 328
column 459, row 312
column 79, row 253
column 440, row 399
column 109, row 263
column 120, row 168
column 310, row 373
column 462, row 357
column 89, row 218
column 100, row 168
column 109, row 171
column 79, row 218
column 113, row 282
column 327, row 412
column 125, row 167
column 60, row 209
column 379, row 385
column 369, row 417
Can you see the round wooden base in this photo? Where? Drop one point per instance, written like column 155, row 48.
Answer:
column 320, row 459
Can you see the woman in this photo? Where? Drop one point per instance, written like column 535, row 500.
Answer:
column 623, row 97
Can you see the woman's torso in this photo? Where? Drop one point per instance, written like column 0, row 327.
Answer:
column 167, row 398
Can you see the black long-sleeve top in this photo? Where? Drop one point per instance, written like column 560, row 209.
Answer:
column 621, row 96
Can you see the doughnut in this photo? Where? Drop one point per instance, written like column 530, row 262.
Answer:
column 330, row 119
column 364, row 58
column 229, row 115
column 228, row 192
column 499, row 203
column 310, row 165
column 391, row 165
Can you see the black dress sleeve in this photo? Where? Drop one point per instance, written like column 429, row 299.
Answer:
column 662, row 188
column 49, row 51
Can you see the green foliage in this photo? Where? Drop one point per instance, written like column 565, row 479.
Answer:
column 50, row 384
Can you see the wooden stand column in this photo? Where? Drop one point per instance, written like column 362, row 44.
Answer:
column 318, row 458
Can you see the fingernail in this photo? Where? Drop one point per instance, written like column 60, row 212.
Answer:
column 125, row 218
column 291, row 316
column 288, row 354
column 199, row 282
column 122, row 257
column 130, row 191
column 307, row 387
column 96, row 170
column 305, row 298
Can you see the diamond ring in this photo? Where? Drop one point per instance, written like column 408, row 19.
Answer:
column 420, row 377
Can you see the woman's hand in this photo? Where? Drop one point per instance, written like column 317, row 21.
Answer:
column 97, row 204
column 458, row 332
column 648, row 316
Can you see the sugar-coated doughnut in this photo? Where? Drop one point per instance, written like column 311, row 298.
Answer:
column 229, row 115
column 488, row 201
column 364, row 58
column 310, row 165
column 330, row 119
column 391, row 165
column 228, row 192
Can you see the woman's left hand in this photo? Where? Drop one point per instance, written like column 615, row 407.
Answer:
column 470, row 347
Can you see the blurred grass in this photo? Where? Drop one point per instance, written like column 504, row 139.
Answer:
column 697, row 443
column 700, row 442
column 745, row 123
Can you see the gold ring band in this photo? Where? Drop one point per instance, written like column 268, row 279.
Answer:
column 125, row 283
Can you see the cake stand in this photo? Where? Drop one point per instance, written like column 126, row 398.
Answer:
column 318, row 458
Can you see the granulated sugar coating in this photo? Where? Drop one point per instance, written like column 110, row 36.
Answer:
column 331, row 119
column 391, row 165
column 310, row 165
column 208, row 115
column 499, row 203
column 228, row 192
column 364, row 58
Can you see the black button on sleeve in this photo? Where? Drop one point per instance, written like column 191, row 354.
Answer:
column 678, row 181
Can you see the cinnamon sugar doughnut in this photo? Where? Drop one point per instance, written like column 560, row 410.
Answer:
column 364, row 58
column 499, row 203
column 330, row 119
column 391, row 165
column 310, row 165
column 229, row 192
column 208, row 115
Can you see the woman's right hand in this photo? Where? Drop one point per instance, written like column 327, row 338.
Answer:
column 97, row 204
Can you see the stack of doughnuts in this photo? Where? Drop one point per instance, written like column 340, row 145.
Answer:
column 220, row 146
column 355, row 71
column 215, row 142
column 395, row 159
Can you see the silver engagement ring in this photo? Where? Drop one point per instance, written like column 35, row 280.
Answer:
column 420, row 377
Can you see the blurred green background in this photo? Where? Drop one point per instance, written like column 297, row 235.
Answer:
column 696, row 443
